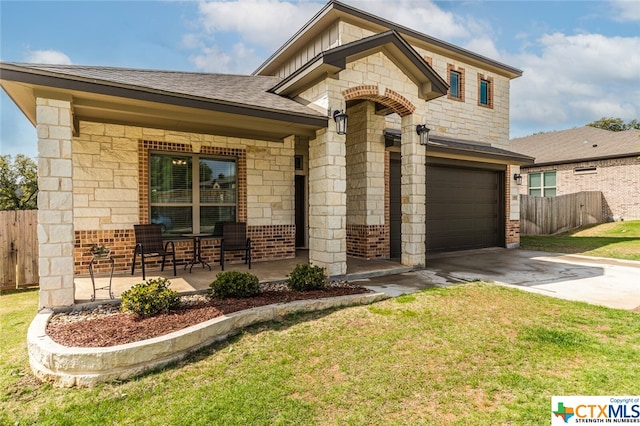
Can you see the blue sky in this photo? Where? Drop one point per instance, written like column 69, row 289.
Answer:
column 581, row 59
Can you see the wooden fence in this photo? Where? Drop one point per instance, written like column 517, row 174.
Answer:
column 552, row 215
column 18, row 249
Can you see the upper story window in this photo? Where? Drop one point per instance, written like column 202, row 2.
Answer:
column 191, row 193
column 542, row 184
column 485, row 91
column 456, row 83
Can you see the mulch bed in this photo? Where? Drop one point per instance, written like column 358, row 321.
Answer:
column 104, row 327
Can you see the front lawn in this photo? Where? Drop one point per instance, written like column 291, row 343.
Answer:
column 617, row 240
column 471, row 354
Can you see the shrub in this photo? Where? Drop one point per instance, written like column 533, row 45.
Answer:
column 234, row 284
column 150, row 298
column 305, row 277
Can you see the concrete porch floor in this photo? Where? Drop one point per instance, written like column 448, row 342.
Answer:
column 199, row 279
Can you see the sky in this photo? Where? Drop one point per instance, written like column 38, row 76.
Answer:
column 581, row 59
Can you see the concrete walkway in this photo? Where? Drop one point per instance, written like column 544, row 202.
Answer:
column 607, row 282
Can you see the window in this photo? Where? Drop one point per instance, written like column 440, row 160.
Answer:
column 485, row 91
column 456, row 83
column 542, row 184
column 185, row 199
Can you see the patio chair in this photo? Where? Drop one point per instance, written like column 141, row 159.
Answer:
column 149, row 244
column 234, row 238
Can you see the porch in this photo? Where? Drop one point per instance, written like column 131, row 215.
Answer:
column 199, row 279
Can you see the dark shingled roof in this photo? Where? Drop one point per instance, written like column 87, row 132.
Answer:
column 243, row 90
column 460, row 146
column 582, row 143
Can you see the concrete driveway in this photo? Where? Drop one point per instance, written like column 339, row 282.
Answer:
column 606, row 282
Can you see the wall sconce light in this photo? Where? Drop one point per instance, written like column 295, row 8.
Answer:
column 340, row 117
column 423, row 131
column 518, row 178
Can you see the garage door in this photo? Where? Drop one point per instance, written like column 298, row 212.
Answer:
column 463, row 209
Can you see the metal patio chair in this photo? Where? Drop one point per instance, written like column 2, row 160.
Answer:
column 149, row 243
column 234, row 238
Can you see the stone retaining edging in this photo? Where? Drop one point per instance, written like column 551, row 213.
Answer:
column 75, row 366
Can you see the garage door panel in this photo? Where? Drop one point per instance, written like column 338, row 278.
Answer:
column 462, row 208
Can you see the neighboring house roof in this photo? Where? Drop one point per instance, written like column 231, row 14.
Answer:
column 579, row 144
column 444, row 145
column 429, row 83
column 334, row 10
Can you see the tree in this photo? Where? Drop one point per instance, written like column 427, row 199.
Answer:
column 615, row 124
column 18, row 183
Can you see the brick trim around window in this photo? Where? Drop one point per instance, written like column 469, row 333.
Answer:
column 461, row 74
column 490, row 88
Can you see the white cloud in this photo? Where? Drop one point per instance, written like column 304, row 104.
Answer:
column 212, row 59
column 575, row 80
column 47, row 57
column 420, row 15
column 266, row 23
column 626, row 10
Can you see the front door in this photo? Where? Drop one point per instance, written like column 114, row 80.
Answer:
column 301, row 211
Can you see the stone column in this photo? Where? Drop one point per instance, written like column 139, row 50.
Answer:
column 413, row 171
column 55, row 202
column 328, row 201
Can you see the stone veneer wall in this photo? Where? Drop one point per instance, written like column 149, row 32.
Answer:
column 453, row 118
column 110, row 191
column 56, row 186
column 367, row 228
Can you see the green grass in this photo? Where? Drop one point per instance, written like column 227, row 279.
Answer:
column 470, row 354
column 617, row 240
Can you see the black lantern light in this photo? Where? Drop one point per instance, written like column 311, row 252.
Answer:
column 423, row 131
column 340, row 117
column 518, row 178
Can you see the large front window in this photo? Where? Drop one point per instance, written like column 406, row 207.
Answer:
column 192, row 193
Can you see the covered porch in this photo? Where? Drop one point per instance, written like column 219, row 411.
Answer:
column 200, row 277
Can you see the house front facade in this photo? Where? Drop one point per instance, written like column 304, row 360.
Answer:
column 118, row 147
column 585, row 159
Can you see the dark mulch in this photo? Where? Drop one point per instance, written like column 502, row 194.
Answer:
column 120, row 328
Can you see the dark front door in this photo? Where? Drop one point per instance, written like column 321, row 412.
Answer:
column 301, row 211
column 395, row 209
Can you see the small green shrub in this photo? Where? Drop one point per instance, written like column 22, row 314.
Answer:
column 306, row 276
column 150, row 298
column 234, row 284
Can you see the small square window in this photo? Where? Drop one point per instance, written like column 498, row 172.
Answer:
column 297, row 162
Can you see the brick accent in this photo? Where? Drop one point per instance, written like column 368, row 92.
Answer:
column 368, row 241
column 390, row 98
column 268, row 242
column 512, row 227
column 273, row 242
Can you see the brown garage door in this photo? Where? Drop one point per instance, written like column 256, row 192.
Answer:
column 463, row 209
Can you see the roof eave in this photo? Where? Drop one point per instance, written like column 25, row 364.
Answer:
column 430, row 84
column 42, row 78
column 335, row 10
column 583, row 160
